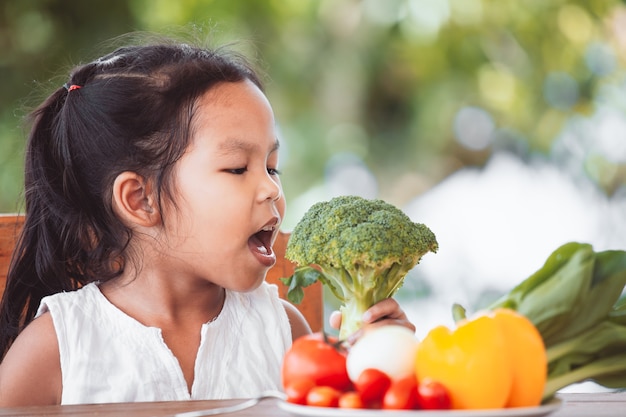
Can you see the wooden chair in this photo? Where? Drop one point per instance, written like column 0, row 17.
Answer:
column 312, row 306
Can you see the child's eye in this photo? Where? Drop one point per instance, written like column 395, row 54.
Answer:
column 237, row 171
column 273, row 171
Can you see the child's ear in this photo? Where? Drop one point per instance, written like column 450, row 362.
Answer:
column 133, row 200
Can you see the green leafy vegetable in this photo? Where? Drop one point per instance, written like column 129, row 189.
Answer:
column 360, row 249
column 575, row 301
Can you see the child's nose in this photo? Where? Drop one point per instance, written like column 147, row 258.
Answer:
column 272, row 189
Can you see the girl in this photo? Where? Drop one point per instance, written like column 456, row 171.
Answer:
column 151, row 184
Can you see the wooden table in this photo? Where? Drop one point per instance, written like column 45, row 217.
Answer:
column 574, row 405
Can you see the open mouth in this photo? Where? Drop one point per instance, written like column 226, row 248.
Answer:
column 261, row 241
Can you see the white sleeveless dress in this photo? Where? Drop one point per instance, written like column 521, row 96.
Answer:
column 107, row 356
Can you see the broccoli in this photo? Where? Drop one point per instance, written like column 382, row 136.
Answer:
column 360, row 249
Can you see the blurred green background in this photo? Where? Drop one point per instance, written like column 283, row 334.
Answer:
column 412, row 101
column 408, row 90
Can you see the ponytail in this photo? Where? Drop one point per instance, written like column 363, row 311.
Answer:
column 38, row 244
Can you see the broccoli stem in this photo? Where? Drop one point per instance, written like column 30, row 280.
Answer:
column 352, row 316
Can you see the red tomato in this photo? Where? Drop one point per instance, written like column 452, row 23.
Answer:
column 297, row 390
column 372, row 385
column 402, row 394
column 317, row 358
column 432, row 395
column 351, row 399
column 323, row 396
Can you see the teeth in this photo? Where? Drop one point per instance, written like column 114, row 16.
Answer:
column 268, row 228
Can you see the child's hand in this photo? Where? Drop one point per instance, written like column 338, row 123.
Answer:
column 383, row 313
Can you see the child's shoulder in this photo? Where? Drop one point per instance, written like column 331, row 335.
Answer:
column 32, row 363
column 81, row 297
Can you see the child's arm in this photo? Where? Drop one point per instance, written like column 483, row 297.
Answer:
column 299, row 325
column 30, row 373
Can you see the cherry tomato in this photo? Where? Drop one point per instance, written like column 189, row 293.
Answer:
column 372, row 385
column 351, row 399
column 319, row 358
column 298, row 389
column 402, row 394
column 323, row 396
column 432, row 395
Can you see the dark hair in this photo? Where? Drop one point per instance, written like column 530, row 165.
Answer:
column 132, row 112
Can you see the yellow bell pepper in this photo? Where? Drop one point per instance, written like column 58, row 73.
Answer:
column 527, row 356
column 494, row 360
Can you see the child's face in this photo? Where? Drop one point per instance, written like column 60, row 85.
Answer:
column 229, row 197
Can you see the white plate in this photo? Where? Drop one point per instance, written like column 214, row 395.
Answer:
column 303, row 410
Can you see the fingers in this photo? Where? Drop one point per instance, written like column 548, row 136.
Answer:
column 396, row 322
column 384, row 313
column 335, row 319
column 387, row 309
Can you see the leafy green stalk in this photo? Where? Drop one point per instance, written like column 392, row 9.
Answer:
column 575, row 302
column 609, row 371
column 593, row 341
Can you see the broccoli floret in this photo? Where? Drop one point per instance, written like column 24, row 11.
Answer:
column 360, row 249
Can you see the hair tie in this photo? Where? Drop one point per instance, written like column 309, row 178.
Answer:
column 71, row 87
